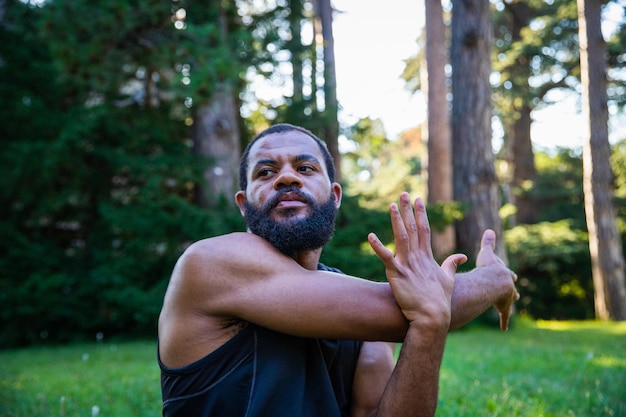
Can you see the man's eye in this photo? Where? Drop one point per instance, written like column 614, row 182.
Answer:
column 265, row 172
column 306, row 168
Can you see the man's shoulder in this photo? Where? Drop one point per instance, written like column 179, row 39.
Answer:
column 213, row 270
column 217, row 247
column 233, row 255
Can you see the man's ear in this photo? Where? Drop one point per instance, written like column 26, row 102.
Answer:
column 240, row 199
column 336, row 193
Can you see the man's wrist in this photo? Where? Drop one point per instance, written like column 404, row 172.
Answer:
column 432, row 324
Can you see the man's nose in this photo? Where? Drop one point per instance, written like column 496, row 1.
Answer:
column 287, row 177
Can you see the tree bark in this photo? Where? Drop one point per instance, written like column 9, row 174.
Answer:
column 519, row 150
column 475, row 181
column 216, row 136
column 524, row 170
column 437, row 130
column 296, row 51
column 605, row 246
column 324, row 12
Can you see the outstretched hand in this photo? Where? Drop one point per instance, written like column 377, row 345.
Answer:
column 422, row 288
column 486, row 256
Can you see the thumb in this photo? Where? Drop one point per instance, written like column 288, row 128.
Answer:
column 488, row 240
column 452, row 262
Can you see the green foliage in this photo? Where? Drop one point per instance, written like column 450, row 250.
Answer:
column 349, row 249
column 536, row 50
column 558, row 189
column 618, row 163
column 554, row 270
column 96, row 234
column 552, row 257
column 98, row 190
column 379, row 169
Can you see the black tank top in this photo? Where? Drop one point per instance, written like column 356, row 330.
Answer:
column 260, row 372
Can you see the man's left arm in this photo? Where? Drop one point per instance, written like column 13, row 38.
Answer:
column 373, row 370
column 491, row 283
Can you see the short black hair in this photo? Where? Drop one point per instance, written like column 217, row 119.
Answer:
column 281, row 128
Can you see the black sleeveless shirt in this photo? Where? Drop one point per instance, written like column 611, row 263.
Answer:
column 260, row 372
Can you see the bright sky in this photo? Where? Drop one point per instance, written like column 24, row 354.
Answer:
column 372, row 40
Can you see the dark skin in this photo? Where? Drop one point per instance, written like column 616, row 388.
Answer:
column 215, row 290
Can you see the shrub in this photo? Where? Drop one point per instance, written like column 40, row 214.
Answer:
column 554, row 269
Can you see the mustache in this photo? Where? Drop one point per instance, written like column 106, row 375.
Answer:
column 273, row 202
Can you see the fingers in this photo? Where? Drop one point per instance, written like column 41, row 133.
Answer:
column 409, row 219
column 423, row 228
column 401, row 236
column 411, row 231
column 452, row 262
column 385, row 255
column 410, row 228
column 415, row 227
column 504, row 320
column 486, row 255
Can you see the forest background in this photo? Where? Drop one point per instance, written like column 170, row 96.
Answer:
column 123, row 122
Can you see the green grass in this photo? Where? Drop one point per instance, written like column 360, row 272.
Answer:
column 542, row 369
column 121, row 380
column 536, row 369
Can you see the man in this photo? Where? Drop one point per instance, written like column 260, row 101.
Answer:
column 253, row 325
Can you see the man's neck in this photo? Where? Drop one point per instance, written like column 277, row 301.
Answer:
column 309, row 259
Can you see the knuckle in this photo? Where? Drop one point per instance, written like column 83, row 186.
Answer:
column 403, row 238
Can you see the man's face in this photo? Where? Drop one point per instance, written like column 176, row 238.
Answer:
column 289, row 199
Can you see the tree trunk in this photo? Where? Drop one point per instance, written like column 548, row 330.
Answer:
column 607, row 259
column 524, row 170
column 296, row 51
column 437, row 131
column 475, row 181
column 324, row 12
column 216, row 136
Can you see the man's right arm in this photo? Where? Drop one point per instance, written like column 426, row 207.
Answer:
column 242, row 276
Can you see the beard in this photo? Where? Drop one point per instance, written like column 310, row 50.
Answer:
column 293, row 234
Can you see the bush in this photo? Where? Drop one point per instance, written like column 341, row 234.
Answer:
column 554, row 269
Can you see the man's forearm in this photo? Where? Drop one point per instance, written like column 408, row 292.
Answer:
column 477, row 290
column 414, row 385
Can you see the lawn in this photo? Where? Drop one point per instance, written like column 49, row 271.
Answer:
column 543, row 369
column 536, row 369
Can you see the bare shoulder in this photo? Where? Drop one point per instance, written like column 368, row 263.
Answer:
column 237, row 245
column 200, row 309
column 230, row 257
column 213, row 274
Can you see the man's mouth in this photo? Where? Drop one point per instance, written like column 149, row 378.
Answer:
column 291, row 200
column 290, row 204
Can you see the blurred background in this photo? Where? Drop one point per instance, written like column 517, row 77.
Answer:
column 122, row 124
